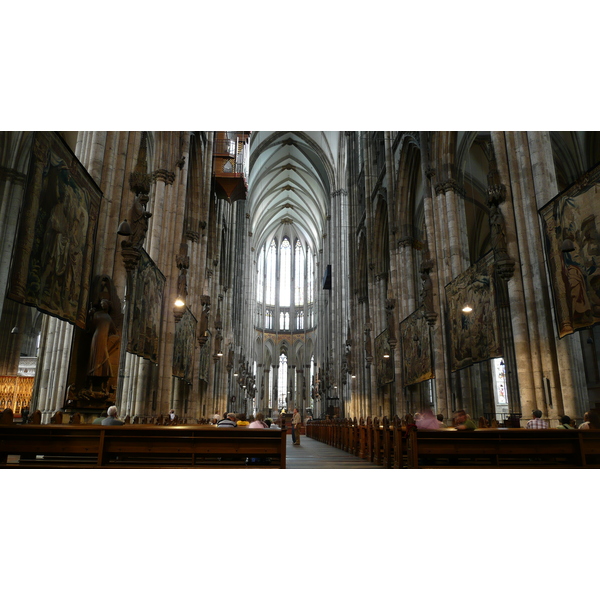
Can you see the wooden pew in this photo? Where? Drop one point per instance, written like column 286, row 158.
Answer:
column 376, row 437
column 362, row 438
column 378, row 442
column 504, row 448
column 77, row 446
column 387, row 443
column 399, row 443
column 355, row 436
column 369, row 440
column 402, row 445
column 6, row 417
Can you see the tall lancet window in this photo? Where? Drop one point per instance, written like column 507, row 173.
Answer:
column 310, row 284
column 270, row 386
column 284, row 320
column 271, row 273
column 282, row 381
column 299, row 274
column 261, row 275
column 285, row 279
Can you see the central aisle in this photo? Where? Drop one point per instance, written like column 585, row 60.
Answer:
column 311, row 454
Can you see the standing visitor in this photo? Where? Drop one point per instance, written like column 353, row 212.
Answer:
column 296, row 424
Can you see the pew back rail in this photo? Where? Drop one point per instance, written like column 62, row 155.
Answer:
column 136, row 446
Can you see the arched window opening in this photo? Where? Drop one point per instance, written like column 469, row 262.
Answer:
column 285, row 279
column 299, row 274
column 283, row 271
column 271, row 273
column 260, row 283
column 282, row 382
column 311, row 277
column 270, row 392
column 284, row 320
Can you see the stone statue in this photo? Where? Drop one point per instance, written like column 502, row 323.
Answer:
column 104, row 341
column 204, row 319
column 498, row 232
column 427, row 291
column 138, row 220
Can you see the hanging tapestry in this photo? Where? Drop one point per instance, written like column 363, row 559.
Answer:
column 475, row 335
column 205, row 358
column 416, row 349
column 52, row 259
column 573, row 251
column 384, row 367
column 183, row 349
column 146, row 309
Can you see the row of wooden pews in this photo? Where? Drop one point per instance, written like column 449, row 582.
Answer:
column 60, row 418
column 378, row 441
column 72, row 445
column 399, row 444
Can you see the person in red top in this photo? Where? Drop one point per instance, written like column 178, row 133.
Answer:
column 537, row 422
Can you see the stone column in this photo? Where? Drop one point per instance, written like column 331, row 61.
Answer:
column 12, row 190
column 568, row 370
column 524, row 164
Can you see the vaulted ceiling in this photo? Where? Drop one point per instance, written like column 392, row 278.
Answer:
column 292, row 174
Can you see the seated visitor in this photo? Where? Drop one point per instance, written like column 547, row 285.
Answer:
column 537, row 422
column 427, row 420
column 565, row 423
column 591, row 420
column 228, row 421
column 463, row 421
column 258, row 422
column 111, row 419
column 98, row 420
column 241, row 420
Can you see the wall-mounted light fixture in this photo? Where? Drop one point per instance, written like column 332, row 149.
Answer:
column 124, row 228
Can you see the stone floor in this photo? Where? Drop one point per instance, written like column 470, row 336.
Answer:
column 311, row 454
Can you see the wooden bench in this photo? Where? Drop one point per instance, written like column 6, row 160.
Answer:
column 372, row 440
column 90, row 446
column 504, row 448
column 399, row 444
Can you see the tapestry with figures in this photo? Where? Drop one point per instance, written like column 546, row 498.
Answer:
column 52, row 261
column 183, row 349
column 415, row 339
column 475, row 334
column 146, row 308
column 572, row 236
